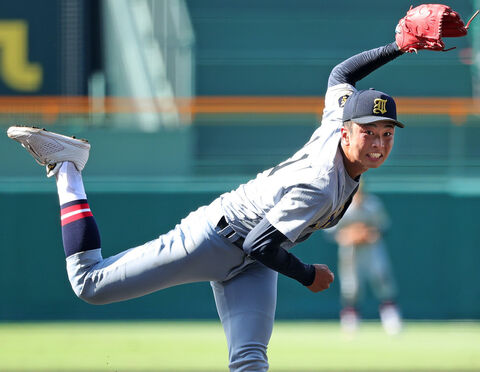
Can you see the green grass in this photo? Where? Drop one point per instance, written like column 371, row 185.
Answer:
column 200, row 346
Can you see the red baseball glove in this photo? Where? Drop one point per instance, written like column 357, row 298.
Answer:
column 424, row 26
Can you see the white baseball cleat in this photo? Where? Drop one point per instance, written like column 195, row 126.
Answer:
column 51, row 149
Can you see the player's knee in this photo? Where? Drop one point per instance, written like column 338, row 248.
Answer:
column 92, row 300
column 251, row 358
column 83, row 278
column 89, row 296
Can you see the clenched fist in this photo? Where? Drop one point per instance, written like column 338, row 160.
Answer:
column 323, row 278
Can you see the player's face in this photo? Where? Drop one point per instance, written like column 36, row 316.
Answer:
column 366, row 146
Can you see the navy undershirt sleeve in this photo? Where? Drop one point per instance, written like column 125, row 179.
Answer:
column 263, row 244
column 359, row 66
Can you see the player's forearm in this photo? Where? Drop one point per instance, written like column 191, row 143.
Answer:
column 263, row 244
column 278, row 259
column 359, row 66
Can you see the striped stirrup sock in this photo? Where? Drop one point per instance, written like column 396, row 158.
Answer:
column 79, row 229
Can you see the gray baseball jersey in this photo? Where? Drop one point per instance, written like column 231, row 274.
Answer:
column 304, row 193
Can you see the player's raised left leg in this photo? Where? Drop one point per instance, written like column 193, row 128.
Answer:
column 185, row 254
column 65, row 157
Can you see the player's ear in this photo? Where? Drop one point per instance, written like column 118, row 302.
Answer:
column 345, row 136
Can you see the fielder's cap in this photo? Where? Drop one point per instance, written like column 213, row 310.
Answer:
column 369, row 106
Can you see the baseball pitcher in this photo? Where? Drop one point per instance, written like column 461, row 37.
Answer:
column 242, row 240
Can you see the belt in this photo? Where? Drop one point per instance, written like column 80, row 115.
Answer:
column 225, row 230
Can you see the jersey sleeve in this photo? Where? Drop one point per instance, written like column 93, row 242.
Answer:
column 335, row 99
column 299, row 208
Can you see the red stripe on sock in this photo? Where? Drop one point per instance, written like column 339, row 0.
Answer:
column 75, row 207
column 76, row 217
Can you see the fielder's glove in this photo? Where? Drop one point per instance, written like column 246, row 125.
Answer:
column 424, row 26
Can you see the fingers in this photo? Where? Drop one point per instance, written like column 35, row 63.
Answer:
column 329, row 275
column 323, row 278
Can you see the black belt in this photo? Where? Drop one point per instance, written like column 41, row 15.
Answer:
column 225, row 230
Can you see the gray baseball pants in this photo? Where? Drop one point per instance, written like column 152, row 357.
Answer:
column 245, row 291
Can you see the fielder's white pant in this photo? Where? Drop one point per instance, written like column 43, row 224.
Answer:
column 245, row 291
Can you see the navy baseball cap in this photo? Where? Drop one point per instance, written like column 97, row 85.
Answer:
column 369, row 106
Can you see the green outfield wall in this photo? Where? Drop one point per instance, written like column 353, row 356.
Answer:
column 433, row 244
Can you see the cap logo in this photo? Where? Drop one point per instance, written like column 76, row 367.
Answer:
column 379, row 106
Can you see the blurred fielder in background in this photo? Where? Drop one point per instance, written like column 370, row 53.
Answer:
column 363, row 259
